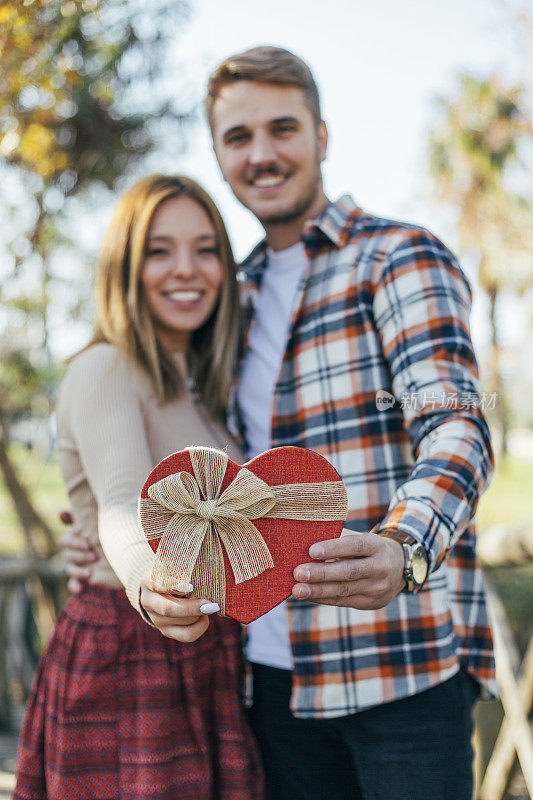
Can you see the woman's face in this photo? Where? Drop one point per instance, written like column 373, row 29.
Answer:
column 182, row 273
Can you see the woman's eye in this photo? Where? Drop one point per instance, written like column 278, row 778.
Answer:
column 157, row 251
column 211, row 251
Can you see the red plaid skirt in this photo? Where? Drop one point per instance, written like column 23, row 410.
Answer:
column 119, row 712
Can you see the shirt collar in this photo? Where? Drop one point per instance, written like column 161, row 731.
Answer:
column 334, row 226
column 336, row 223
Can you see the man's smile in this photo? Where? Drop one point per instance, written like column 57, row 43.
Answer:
column 268, row 181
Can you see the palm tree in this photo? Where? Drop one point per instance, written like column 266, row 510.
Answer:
column 475, row 160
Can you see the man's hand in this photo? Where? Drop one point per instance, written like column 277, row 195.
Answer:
column 78, row 553
column 181, row 618
column 364, row 571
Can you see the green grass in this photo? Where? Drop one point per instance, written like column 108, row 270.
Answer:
column 514, row 586
column 45, row 486
column 509, row 498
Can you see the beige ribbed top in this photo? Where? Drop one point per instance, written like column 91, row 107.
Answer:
column 112, row 432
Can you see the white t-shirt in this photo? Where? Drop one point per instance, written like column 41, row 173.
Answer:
column 268, row 637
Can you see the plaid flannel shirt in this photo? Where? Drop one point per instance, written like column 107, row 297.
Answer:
column 383, row 307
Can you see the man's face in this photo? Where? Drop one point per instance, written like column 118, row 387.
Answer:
column 269, row 149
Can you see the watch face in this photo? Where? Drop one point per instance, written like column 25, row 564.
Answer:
column 419, row 564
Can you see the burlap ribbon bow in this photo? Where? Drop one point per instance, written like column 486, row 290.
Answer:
column 193, row 520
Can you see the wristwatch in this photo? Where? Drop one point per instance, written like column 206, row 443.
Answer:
column 415, row 566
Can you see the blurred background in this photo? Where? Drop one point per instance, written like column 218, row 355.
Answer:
column 429, row 110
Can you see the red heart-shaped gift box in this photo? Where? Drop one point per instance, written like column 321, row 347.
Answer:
column 288, row 540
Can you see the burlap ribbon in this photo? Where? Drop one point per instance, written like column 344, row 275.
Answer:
column 193, row 520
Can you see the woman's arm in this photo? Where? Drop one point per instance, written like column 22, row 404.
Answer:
column 101, row 408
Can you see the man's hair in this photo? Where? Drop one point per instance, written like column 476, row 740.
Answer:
column 264, row 65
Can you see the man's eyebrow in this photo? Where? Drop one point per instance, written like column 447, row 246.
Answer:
column 281, row 120
column 231, row 131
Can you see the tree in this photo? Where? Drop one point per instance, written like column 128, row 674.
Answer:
column 82, row 100
column 475, row 160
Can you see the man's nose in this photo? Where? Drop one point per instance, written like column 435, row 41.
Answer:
column 262, row 150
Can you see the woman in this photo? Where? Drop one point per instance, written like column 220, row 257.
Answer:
column 117, row 710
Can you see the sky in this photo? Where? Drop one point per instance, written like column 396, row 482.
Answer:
column 379, row 67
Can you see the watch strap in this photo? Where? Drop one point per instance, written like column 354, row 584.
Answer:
column 397, row 535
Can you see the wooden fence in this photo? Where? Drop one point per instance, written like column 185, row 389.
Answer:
column 32, row 590
column 515, row 738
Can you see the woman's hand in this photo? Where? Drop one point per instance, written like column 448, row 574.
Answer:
column 182, row 618
column 79, row 554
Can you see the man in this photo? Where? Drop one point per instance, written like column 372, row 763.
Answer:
column 357, row 346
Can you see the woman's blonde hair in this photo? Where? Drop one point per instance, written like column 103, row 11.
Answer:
column 123, row 318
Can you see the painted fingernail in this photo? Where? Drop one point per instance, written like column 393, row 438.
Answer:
column 301, row 592
column 316, row 551
column 209, row 608
column 183, row 591
column 183, row 588
column 302, row 574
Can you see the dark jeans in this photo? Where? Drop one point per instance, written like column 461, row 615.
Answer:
column 417, row 748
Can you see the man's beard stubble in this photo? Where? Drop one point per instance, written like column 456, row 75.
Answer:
column 300, row 207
